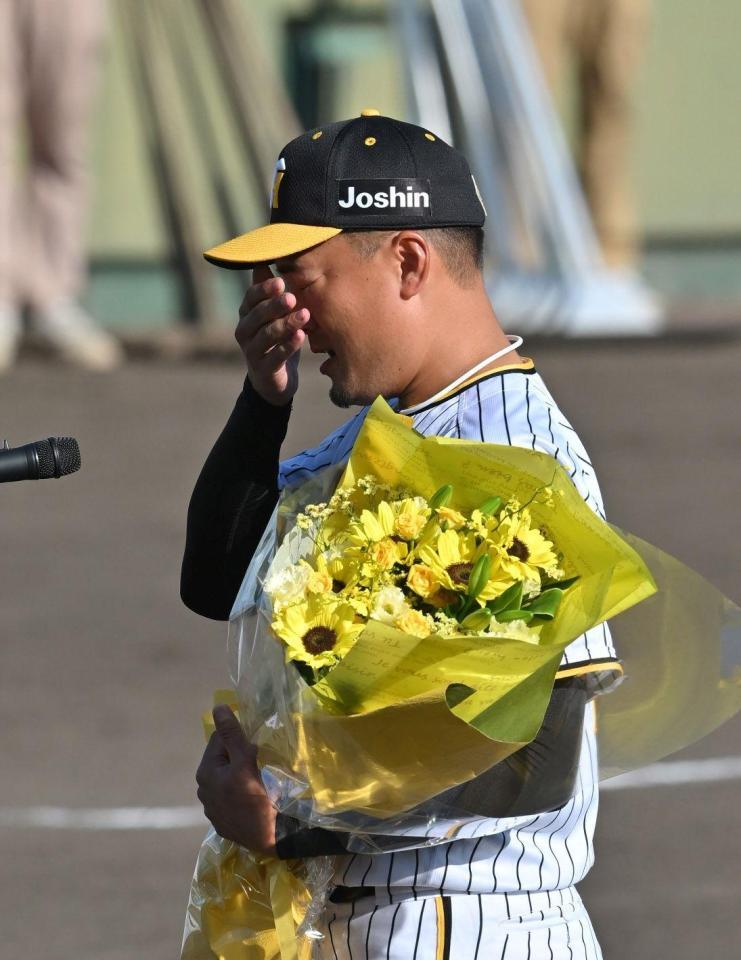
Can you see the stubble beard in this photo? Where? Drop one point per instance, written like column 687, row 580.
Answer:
column 343, row 397
column 340, row 397
column 348, row 394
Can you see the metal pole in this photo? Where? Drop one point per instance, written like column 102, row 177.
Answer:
column 480, row 133
column 542, row 160
column 424, row 84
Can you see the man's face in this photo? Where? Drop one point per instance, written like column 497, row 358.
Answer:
column 355, row 319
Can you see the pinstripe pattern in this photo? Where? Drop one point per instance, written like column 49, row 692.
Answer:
column 539, row 927
column 509, row 881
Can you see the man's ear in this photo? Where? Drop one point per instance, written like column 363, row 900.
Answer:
column 412, row 252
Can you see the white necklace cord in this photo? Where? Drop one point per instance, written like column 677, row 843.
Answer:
column 514, row 343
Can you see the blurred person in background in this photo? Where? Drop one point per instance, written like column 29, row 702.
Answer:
column 605, row 39
column 50, row 54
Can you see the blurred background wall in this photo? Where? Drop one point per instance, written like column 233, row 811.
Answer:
column 685, row 150
column 105, row 670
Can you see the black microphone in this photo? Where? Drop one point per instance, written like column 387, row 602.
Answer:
column 55, row 457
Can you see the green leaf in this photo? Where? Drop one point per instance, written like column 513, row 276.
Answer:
column 509, row 600
column 518, row 715
column 490, row 506
column 477, row 620
column 467, row 606
column 507, row 616
column 456, row 608
column 479, row 575
column 441, row 497
column 307, row 672
column 545, row 604
column 560, row 584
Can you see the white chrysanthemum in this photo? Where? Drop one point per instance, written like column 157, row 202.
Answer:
column 389, row 604
column 531, row 588
column 515, row 630
column 288, row 584
column 446, row 626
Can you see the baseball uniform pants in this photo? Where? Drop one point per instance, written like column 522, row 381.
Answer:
column 549, row 925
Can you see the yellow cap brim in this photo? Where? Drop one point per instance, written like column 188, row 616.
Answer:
column 268, row 244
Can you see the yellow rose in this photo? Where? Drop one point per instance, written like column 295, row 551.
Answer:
column 422, row 580
column 413, row 623
column 410, row 525
column 385, row 553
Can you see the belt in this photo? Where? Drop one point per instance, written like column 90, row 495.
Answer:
column 351, row 894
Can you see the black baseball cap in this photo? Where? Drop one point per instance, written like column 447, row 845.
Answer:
column 368, row 173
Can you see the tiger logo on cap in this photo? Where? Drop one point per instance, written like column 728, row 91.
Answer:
column 280, row 172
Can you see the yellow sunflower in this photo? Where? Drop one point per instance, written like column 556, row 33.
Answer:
column 334, row 564
column 451, row 561
column 522, row 549
column 318, row 632
column 372, row 547
column 405, row 519
column 374, row 525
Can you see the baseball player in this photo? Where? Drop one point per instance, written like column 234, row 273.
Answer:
column 376, row 237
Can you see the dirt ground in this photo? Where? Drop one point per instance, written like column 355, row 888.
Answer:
column 104, row 673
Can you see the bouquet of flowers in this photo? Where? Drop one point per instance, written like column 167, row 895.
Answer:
column 398, row 633
column 401, row 601
column 381, row 553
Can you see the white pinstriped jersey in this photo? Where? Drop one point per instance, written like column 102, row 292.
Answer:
column 553, row 850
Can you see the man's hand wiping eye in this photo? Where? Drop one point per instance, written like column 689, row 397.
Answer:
column 271, row 333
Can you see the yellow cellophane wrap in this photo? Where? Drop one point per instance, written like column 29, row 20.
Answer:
column 243, row 906
column 681, row 651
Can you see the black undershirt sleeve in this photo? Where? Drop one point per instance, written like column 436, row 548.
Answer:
column 293, row 840
column 231, row 504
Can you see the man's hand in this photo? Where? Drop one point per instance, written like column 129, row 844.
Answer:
column 270, row 333
column 230, row 788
